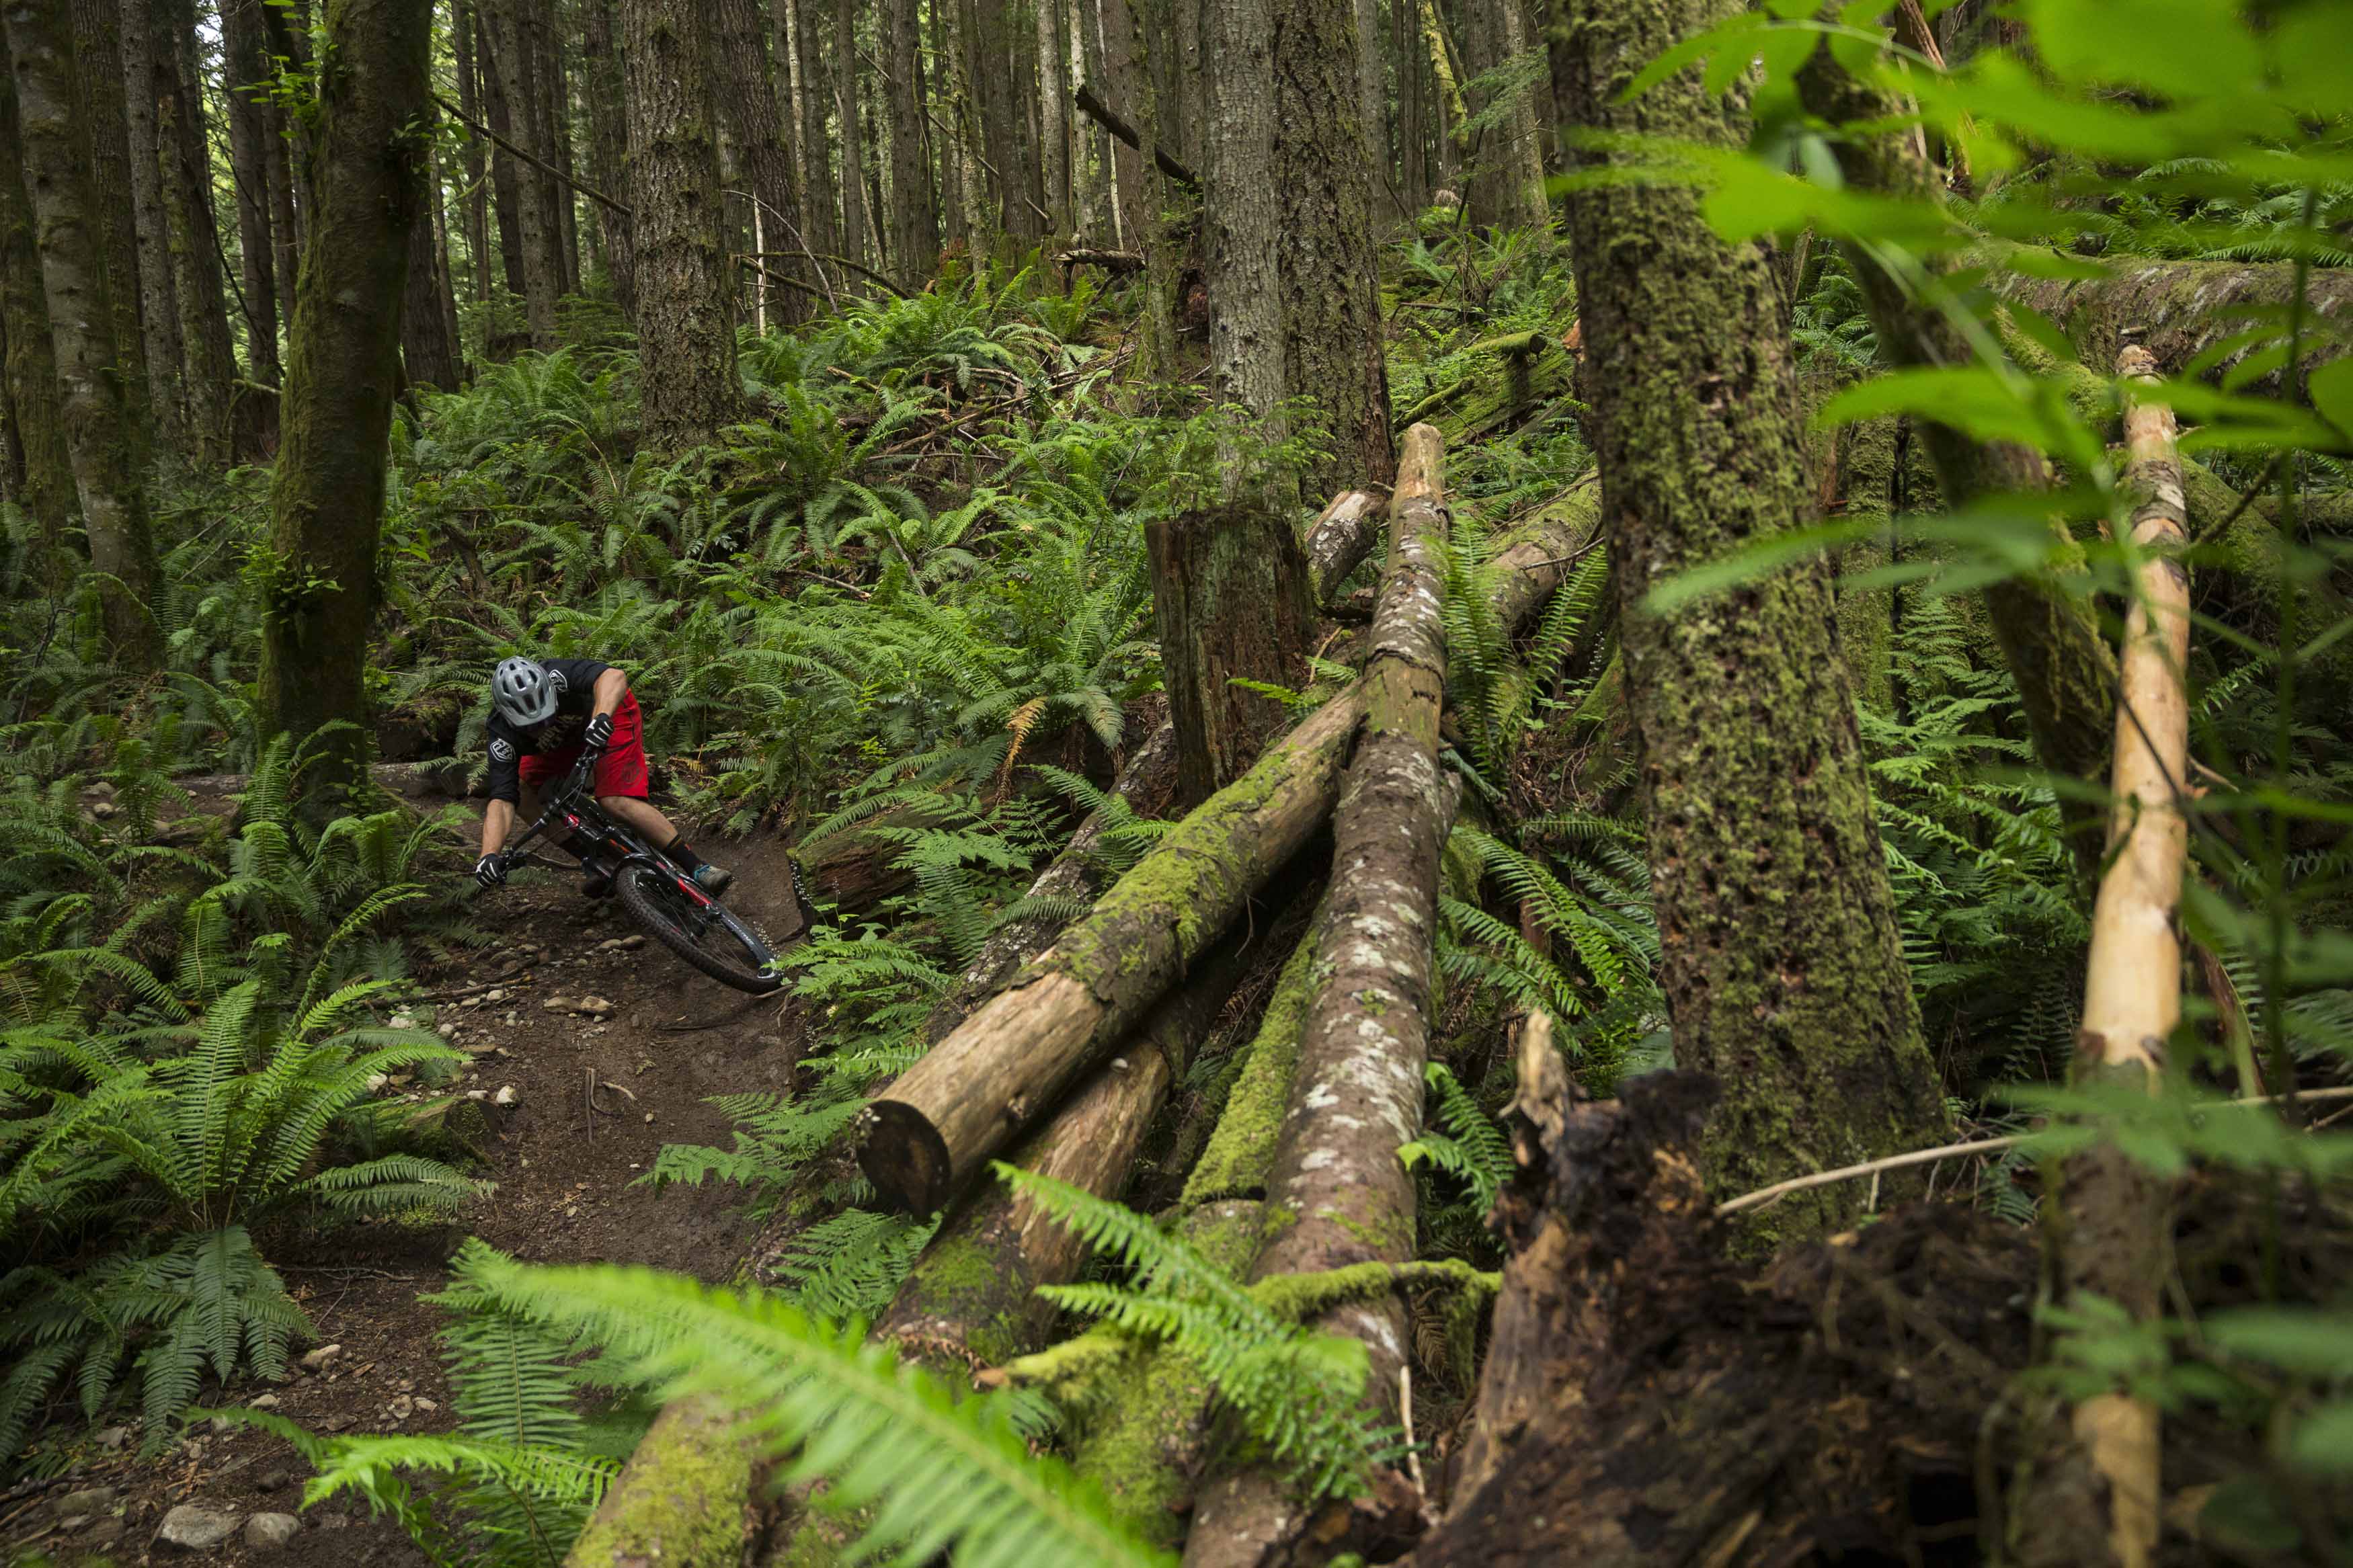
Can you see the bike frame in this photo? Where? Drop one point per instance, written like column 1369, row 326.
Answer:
column 610, row 846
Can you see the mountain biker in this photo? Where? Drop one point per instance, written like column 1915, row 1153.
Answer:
column 543, row 715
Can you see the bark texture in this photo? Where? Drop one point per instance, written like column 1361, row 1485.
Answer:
column 511, row 29
column 686, row 331
column 1335, row 1176
column 159, row 300
column 1780, row 958
column 374, row 144
column 100, row 442
column 857, row 230
column 209, row 360
column 811, row 22
column 98, row 60
column 244, row 63
column 1507, row 156
column 914, row 212
column 429, row 351
column 1242, row 216
column 1231, row 594
column 762, row 134
column 1333, row 348
column 46, row 477
column 608, row 142
column 682, row 1497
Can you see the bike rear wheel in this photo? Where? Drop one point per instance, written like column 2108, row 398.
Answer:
column 711, row 940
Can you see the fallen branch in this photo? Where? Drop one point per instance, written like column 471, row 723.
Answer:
column 479, row 129
column 841, row 261
column 1101, row 113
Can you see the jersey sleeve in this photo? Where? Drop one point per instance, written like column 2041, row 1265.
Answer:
column 506, row 771
column 577, row 680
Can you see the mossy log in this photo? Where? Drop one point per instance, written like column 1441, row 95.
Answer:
column 683, row 1498
column 1016, row 1054
column 973, row 1293
column 1356, row 1092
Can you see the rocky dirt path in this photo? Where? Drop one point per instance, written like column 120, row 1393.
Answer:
column 670, row 1038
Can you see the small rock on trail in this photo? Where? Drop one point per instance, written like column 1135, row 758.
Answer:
column 194, row 1527
column 270, row 1531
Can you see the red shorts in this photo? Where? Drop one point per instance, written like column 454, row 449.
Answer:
column 620, row 771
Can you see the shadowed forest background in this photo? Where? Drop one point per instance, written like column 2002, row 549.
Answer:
column 1575, row 776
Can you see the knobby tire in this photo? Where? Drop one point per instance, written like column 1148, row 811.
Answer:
column 638, row 887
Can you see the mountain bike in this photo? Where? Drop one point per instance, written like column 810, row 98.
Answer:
column 657, row 891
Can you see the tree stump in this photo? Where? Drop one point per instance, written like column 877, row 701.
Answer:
column 1232, row 589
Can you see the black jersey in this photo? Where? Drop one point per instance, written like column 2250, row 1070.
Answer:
column 576, row 697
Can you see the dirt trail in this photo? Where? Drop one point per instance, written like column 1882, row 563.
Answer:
column 564, row 1194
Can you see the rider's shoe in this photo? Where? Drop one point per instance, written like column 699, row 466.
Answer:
column 599, row 885
column 714, row 880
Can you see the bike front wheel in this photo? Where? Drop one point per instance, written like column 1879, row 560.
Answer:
column 696, row 929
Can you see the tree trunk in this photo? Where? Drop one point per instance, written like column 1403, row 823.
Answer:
column 100, row 443
column 2065, row 672
column 763, row 133
column 1054, row 118
column 1231, row 597
column 210, row 362
column 686, row 333
column 609, row 143
column 288, row 210
column 1343, row 1196
column 681, row 1499
column 429, row 351
column 1412, row 166
column 159, row 298
column 993, row 49
column 506, row 188
column 1506, row 161
column 2099, row 1503
column 369, row 169
column 1145, row 193
column 1805, row 1017
column 1242, row 215
column 950, row 107
column 45, row 487
column 98, row 73
column 557, row 103
column 811, row 22
column 246, row 75
column 914, row 216
column 1332, row 335
column 857, row 233
column 510, row 30
column 464, row 30
column 992, row 1075
column 1372, row 95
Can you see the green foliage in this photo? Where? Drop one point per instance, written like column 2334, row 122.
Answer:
column 1472, row 1148
column 1293, row 1393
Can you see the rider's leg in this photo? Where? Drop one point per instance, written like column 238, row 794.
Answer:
column 650, row 825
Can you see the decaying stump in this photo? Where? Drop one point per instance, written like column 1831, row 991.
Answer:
column 1231, row 597
column 1648, row 1402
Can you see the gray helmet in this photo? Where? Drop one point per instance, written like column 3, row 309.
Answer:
column 521, row 692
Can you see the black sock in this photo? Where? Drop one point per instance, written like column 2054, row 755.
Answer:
column 683, row 853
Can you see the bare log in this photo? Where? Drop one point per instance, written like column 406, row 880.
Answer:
column 973, row 1292
column 1016, row 1054
column 1356, row 1092
column 1338, row 540
column 2100, row 1503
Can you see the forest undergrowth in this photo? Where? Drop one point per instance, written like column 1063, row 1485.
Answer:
column 902, row 613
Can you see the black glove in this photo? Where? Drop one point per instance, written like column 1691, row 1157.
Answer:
column 598, row 733
column 491, row 870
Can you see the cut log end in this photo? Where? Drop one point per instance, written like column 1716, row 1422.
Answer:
column 904, row 1156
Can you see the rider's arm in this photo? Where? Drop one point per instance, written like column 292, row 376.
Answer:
column 498, row 821
column 610, row 688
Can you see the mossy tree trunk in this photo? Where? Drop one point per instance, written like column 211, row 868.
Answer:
column 1505, row 157
column 812, row 20
column 246, row 64
column 209, row 354
column 98, row 78
column 608, row 140
column 2065, row 671
column 287, row 212
column 1230, row 591
column 1333, row 348
column 101, row 444
column 686, row 329
column 159, row 298
column 44, row 468
column 368, row 168
column 1780, row 958
column 850, row 124
column 914, row 210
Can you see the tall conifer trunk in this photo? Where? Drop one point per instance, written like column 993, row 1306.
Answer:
column 686, row 330
column 43, row 474
column 608, row 145
column 159, row 298
column 746, row 84
column 1780, row 957
column 857, row 232
column 463, row 36
column 97, row 54
column 208, row 357
column 246, row 69
column 914, row 211
column 99, row 438
column 811, row 22
column 369, row 170
column 511, row 29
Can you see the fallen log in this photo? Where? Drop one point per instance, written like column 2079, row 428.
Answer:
column 1343, row 1195
column 987, row 1079
column 682, row 1497
column 2098, row 1503
column 973, row 1293
column 1103, row 114
column 1336, row 541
